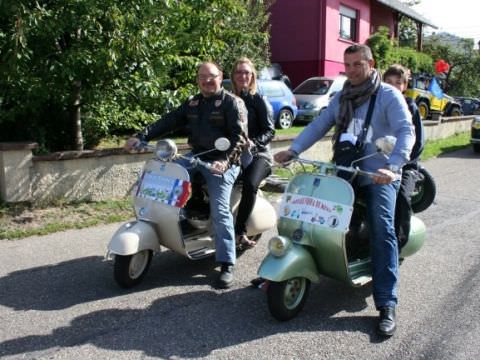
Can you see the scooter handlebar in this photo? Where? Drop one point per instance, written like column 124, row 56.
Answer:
column 195, row 161
column 143, row 145
column 332, row 166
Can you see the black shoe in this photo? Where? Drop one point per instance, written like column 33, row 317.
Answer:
column 225, row 279
column 387, row 324
column 257, row 282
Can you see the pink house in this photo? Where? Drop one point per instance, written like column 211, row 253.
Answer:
column 308, row 37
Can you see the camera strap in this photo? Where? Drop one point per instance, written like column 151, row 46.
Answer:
column 368, row 119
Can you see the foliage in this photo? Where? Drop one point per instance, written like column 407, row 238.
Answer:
column 462, row 79
column 407, row 32
column 411, row 59
column 381, row 46
column 407, row 28
column 385, row 53
column 121, row 62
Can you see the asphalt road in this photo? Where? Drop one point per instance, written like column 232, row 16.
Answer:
column 58, row 299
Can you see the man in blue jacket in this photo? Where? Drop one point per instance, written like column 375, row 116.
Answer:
column 390, row 116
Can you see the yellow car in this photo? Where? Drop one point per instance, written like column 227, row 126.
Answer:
column 430, row 98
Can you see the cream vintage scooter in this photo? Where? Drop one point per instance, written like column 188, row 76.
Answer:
column 315, row 236
column 169, row 215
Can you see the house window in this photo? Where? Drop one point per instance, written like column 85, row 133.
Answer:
column 348, row 23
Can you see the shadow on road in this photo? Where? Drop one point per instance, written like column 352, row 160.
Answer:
column 79, row 281
column 192, row 324
column 460, row 152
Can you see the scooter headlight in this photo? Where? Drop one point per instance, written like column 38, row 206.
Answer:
column 278, row 246
column 166, row 150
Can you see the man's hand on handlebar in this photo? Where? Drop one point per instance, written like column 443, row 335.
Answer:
column 219, row 167
column 385, row 177
column 284, row 156
column 131, row 144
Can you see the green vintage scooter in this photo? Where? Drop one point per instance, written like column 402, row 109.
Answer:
column 315, row 237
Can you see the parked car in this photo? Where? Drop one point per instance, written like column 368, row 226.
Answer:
column 470, row 106
column 275, row 72
column 314, row 94
column 431, row 100
column 475, row 139
column 280, row 97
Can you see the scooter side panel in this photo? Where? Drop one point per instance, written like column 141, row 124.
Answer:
column 416, row 237
column 263, row 216
column 133, row 237
column 298, row 262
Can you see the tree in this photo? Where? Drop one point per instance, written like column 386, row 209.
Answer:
column 407, row 29
column 462, row 77
column 103, row 66
column 386, row 53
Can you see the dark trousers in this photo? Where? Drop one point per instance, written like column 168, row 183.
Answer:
column 252, row 176
column 403, row 207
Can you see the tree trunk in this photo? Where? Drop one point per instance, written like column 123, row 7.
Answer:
column 76, row 117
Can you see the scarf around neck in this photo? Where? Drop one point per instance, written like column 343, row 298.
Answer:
column 351, row 98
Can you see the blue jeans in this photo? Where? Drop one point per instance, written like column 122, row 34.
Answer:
column 219, row 192
column 380, row 201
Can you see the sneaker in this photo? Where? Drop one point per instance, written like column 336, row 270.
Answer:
column 225, row 279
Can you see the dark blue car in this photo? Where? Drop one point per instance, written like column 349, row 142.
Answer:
column 280, row 97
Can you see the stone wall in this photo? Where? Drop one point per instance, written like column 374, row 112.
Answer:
column 109, row 174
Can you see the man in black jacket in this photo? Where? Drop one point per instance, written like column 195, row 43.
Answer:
column 211, row 114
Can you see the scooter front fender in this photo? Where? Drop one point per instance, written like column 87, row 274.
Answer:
column 297, row 262
column 134, row 237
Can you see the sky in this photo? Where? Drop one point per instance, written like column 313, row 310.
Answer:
column 458, row 17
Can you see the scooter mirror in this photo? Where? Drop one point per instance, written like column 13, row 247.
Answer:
column 222, row 144
column 386, row 144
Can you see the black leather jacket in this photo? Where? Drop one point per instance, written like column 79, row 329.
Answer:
column 261, row 129
column 419, row 132
column 206, row 119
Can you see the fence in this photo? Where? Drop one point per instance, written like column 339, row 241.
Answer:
column 108, row 174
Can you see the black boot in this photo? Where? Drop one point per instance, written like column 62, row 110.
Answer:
column 387, row 324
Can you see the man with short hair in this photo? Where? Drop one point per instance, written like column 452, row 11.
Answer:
column 211, row 114
column 390, row 116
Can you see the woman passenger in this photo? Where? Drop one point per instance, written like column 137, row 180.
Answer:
column 261, row 131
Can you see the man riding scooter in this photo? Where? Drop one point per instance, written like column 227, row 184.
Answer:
column 389, row 117
column 211, row 114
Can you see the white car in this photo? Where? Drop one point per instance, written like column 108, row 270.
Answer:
column 314, row 94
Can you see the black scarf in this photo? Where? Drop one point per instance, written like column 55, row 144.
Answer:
column 351, row 98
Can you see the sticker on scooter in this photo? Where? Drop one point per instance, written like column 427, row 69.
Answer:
column 167, row 190
column 316, row 211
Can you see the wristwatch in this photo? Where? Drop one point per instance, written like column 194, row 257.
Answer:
column 393, row 168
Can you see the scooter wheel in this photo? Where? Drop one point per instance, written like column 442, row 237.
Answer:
column 424, row 193
column 129, row 270
column 287, row 298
